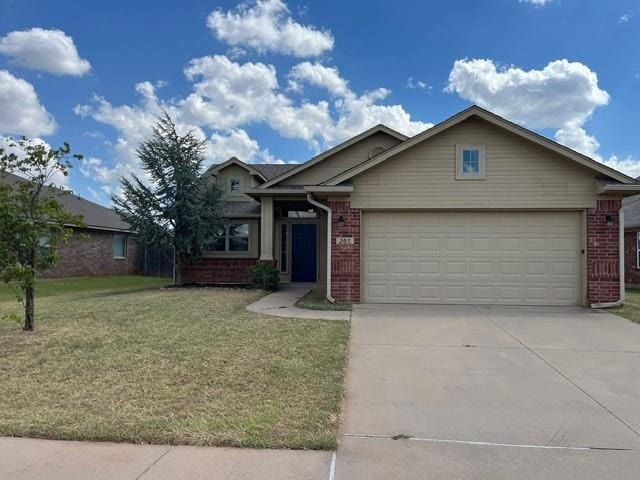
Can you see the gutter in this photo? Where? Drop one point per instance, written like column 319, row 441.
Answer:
column 314, row 202
column 620, row 301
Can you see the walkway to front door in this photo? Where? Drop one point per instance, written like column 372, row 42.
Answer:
column 304, row 252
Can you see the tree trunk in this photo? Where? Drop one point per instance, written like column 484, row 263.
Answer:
column 29, row 310
column 179, row 261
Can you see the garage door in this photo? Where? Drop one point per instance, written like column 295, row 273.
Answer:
column 512, row 258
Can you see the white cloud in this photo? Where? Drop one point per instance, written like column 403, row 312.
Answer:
column 237, row 143
column 537, row 3
column 626, row 18
column 562, row 96
column 266, row 25
column 21, row 112
column 50, row 51
column 319, row 76
column 414, row 84
column 628, row 165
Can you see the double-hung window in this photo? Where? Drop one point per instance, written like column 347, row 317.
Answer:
column 471, row 163
column 119, row 246
column 232, row 237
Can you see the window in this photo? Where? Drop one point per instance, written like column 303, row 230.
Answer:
column 238, row 237
column 284, row 239
column 470, row 162
column 219, row 244
column 638, row 251
column 119, row 246
column 233, row 237
column 235, row 185
column 302, row 214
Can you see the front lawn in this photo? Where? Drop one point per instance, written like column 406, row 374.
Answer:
column 175, row 366
column 631, row 307
column 88, row 285
column 317, row 300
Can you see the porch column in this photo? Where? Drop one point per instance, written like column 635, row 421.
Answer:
column 266, row 229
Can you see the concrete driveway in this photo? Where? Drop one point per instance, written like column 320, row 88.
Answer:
column 488, row 392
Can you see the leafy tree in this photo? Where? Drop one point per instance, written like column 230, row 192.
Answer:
column 32, row 219
column 173, row 205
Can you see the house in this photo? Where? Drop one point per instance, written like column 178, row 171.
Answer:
column 106, row 246
column 475, row 210
column 632, row 241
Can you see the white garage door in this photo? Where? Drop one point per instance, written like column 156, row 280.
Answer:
column 513, row 258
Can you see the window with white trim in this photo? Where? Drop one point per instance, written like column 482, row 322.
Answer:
column 119, row 246
column 471, row 163
column 235, row 185
column 233, row 237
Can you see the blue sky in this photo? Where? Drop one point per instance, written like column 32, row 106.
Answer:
column 280, row 81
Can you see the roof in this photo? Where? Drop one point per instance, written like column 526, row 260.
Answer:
column 95, row 216
column 332, row 151
column 495, row 120
column 240, row 209
column 632, row 212
column 266, row 171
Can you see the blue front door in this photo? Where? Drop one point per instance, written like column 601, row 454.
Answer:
column 303, row 252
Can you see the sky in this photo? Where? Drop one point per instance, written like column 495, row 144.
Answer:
column 280, row 81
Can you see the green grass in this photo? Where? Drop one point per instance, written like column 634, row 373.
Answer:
column 317, row 300
column 88, row 285
column 631, row 307
column 174, row 366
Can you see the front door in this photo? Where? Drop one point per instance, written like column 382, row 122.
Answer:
column 303, row 252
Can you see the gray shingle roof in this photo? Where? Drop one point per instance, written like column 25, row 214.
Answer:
column 237, row 209
column 272, row 170
column 95, row 215
column 631, row 211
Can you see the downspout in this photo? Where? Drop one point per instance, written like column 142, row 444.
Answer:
column 619, row 302
column 314, row 202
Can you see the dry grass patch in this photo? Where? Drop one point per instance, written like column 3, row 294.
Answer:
column 174, row 366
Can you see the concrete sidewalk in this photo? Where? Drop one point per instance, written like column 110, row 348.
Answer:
column 281, row 304
column 29, row 459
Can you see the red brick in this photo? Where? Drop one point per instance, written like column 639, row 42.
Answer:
column 603, row 255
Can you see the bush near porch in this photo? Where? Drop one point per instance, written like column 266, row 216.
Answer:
column 175, row 366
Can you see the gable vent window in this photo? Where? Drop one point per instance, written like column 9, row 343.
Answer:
column 375, row 151
column 471, row 163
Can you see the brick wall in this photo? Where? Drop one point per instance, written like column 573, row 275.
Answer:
column 212, row 271
column 345, row 259
column 631, row 270
column 603, row 255
column 92, row 256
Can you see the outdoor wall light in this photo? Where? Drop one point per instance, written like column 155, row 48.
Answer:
column 340, row 221
column 609, row 219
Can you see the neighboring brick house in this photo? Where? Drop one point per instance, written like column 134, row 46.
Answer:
column 475, row 210
column 106, row 246
column 632, row 241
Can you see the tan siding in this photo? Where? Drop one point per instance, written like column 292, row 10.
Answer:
column 235, row 171
column 341, row 161
column 519, row 175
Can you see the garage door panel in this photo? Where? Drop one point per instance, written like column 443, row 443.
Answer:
column 514, row 258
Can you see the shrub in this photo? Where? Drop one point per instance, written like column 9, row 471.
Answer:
column 265, row 276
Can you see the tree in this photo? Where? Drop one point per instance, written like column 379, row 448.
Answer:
column 174, row 205
column 33, row 221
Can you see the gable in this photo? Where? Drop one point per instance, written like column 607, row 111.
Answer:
column 519, row 174
column 342, row 160
column 235, row 171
